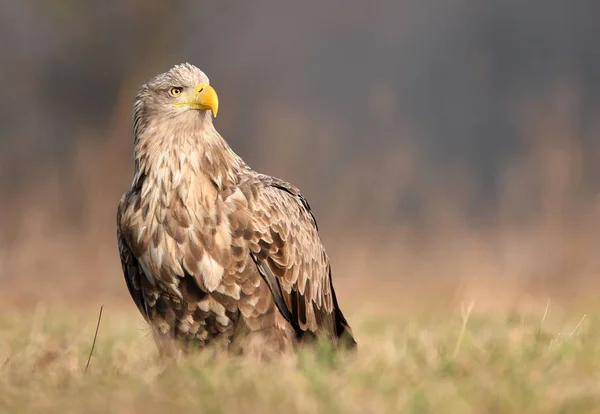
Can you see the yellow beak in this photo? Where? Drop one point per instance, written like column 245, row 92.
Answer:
column 202, row 97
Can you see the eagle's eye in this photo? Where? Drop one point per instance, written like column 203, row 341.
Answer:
column 175, row 92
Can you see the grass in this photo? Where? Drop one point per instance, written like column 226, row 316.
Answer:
column 440, row 361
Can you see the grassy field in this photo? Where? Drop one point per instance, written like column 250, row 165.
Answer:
column 451, row 360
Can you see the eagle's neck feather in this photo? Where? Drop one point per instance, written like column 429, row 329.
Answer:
column 184, row 161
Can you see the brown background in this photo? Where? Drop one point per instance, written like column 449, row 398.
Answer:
column 447, row 147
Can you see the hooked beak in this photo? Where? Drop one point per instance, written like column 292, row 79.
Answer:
column 202, row 97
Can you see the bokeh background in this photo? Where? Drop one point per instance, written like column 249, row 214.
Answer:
column 448, row 148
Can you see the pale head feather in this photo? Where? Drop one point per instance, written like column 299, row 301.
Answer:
column 154, row 108
column 167, row 135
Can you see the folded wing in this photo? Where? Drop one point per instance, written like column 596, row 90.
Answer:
column 282, row 235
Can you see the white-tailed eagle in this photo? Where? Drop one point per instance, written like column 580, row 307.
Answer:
column 213, row 251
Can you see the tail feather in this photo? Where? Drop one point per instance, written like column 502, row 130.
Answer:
column 342, row 328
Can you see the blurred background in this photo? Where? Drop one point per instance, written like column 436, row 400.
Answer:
column 447, row 147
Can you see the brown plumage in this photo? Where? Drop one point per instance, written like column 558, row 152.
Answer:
column 212, row 251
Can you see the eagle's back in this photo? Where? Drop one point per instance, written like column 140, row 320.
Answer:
column 241, row 265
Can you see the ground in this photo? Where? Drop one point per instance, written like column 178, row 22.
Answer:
column 459, row 359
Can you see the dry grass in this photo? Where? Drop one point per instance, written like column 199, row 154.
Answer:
column 516, row 360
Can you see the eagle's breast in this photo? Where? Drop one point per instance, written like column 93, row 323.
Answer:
column 177, row 226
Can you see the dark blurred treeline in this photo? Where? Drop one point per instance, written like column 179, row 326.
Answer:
column 311, row 90
column 397, row 119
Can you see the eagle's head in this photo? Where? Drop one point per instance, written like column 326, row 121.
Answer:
column 183, row 93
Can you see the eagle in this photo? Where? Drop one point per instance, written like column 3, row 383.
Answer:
column 212, row 251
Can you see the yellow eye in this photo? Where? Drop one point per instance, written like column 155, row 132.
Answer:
column 175, row 92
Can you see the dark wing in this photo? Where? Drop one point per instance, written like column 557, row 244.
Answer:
column 131, row 268
column 284, row 243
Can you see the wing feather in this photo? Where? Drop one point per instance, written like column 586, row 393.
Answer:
column 283, row 239
column 131, row 268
